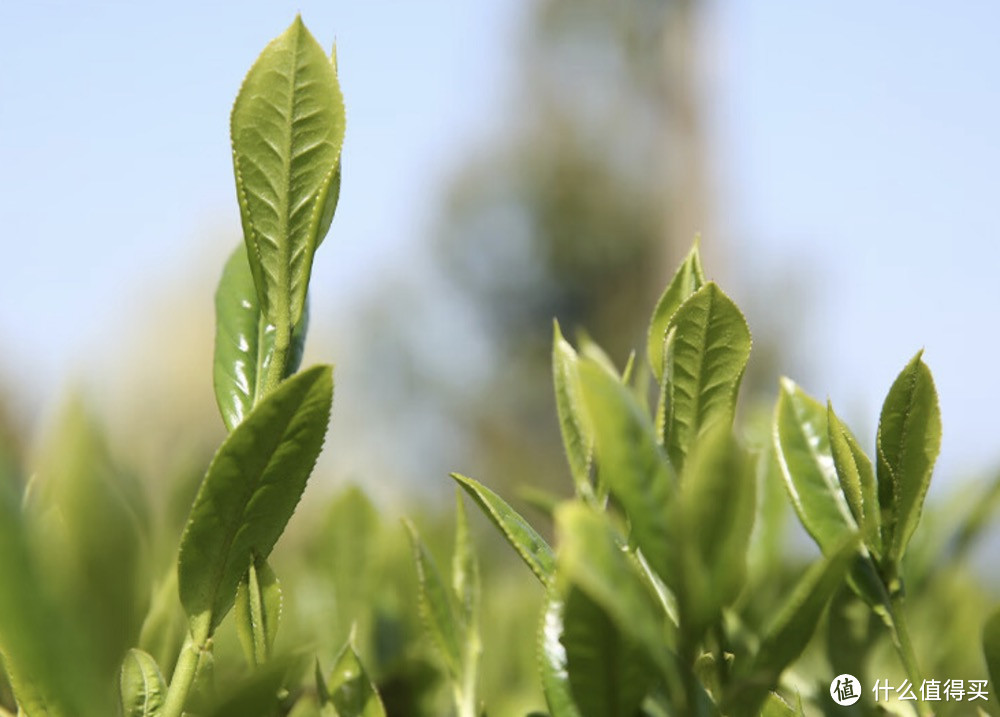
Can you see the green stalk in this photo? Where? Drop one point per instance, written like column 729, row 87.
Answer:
column 901, row 639
column 183, row 677
column 276, row 370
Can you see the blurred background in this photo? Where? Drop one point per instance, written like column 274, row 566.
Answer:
column 506, row 163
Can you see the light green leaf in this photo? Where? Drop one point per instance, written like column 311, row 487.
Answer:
column 774, row 706
column 991, row 646
column 591, row 559
column 713, row 519
column 689, row 278
column 249, row 494
column 552, row 659
column 802, row 447
column 164, row 626
column 909, row 438
column 630, row 461
column 465, row 566
column 577, row 438
column 792, row 629
column 351, row 691
column 287, row 129
column 532, row 547
column 857, row 480
column 141, row 685
column 437, row 607
column 258, row 611
column 708, row 356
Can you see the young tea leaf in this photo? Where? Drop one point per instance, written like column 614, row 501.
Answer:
column 437, row 607
column 909, row 438
column 708, row 356
column 287, row 129
column 465, row 567
column 857, row 480
column 802, row 447
column 141, row 685
column 350, row 689
column 552, row 659
column 532, row 548
column 249, row 494
column 577, row 438
column 258, row 611
column 688, row 279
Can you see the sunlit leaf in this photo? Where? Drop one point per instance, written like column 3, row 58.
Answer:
column 688, row 279
column 552, row 660
column 857, row 480
column 576, row 435
column 141, row 685
column 437, row 607
column 350, row 689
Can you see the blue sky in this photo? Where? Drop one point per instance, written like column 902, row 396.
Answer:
column 855, row 145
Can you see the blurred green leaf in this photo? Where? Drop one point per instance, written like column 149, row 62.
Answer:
column 552, row 659
column 909, row 438
column 532, row 548
column 250, row 492
column 802, row 446
column 244, row 341
column 141, row 685
column 351, row 691
column 630, row 461
column 577, row 438
column 707, row 359
column 791, row 630
column 287, row 129
column 258, row 694
column 991, row 646
column 258, row 611
column 465, row 566
column 857, row 480
column 437, row 607
column 774, row 706
column 688, row 279
column 164, row 626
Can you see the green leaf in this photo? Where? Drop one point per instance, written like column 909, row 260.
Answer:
column 774, row 706
column 244, row 341
column 552, row 659
column 991, row 646
column 708, row 357
column 249, row 494
column 164, row 626
column 258, row 611
column 688, row 279
column 351, row 691
column 802, row 447
column 465, row 566
column 436, row 607
column 592, row 560
column 792, row 629
column 609, row 675
column 258, row 694
column 909, row 438
column 577, row 438
column 714, row 519
column 532, row 547
column 287, row 129
column 857, row 480
column 630, row 461
column 141, row 685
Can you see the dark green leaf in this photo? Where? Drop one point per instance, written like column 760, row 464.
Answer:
column 287, row 130
column 258, row 611
column 552, row 660
column 437, row 607
column 576, row 435
column 630, row 461
column 532, row 548
column 707, row 359
column 688, row 279
column 351, row 691
column 802, row 447
column 250, row 492
column 909, row 438
column 258, row 694
column 857, row 480
column 141, row 685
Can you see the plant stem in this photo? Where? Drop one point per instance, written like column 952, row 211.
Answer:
column 276, row 370
column 901, row 637
column 183, row 678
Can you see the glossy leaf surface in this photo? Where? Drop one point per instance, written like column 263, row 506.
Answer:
column 531, row 546
column 630, row 461
column 437, row 608
column 250, row 492
column 708, row 356
column 552, row 660
column 287, row 128
column 688, row 279
column 258, row 611
column 577, row 438
column 350, row 689
column 141, row 685
column 802, row 447
column 857, row 480
column 909, row 438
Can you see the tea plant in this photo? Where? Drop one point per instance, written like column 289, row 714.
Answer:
column 648, row 591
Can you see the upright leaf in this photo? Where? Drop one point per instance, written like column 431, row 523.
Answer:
column 465, row 566
column 552, row 659
column 351, row 691
column 802, row 447
column 531, row 546
column 437, row 607
column 909, row 438
column 141, row 685
column 630, row 461
column 689, row 278
column 244, row 341
column 577, row 439
column 250, row 492
column 287, row 129
column 857, row 480
column 258, row 611
column 708, row 356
